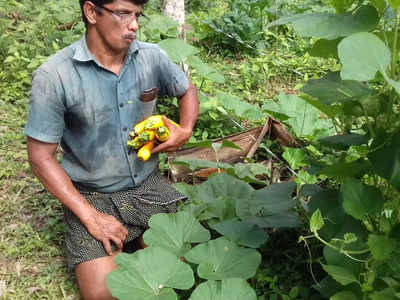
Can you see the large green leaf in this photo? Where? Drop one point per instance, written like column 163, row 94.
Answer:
column 344, row 141
column 175, row 232
column 221, row 193
column 232, row 289
column 343, row 169
column 221, row 259
column 386, row 294
column 248, row 172
column 340, row 274
column 360, row 64
column 332, row 89
column 149, row 274
column 331, row 26
column 346, row 295
column 205, row 70
column 177, row 49
column 239, row 107
column 360, row 200
column 325, row 48
column 242, row 233
column 271, row 206
column 341, row 5
column 304, row 118
column 386, row 161
column 381, row 246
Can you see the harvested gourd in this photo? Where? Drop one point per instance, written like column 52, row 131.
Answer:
column 146, row 133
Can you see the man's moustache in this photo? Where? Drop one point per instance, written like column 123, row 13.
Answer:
column 129, row 36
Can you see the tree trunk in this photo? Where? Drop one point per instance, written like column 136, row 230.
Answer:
column 175, row 9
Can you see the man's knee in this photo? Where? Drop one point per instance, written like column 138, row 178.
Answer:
column 91, row 277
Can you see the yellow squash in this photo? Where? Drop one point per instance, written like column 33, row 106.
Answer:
column 144, row 152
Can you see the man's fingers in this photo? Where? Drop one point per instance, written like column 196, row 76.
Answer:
column 107, row 246
column 117, row 242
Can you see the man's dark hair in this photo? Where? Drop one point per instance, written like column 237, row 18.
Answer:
column 102, row 2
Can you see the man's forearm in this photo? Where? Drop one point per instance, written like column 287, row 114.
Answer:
column 57, row 182
column 189, row 108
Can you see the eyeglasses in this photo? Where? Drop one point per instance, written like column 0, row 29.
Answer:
column 124, row 18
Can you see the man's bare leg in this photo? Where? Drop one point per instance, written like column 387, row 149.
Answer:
column 91, row 276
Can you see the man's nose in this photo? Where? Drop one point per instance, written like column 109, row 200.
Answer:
column 134, row 25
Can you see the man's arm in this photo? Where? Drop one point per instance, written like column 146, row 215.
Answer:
column 104, row 228
column 188, row 112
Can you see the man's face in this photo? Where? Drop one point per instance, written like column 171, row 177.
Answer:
column 117, row 23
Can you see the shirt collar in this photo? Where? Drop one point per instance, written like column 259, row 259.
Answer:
column 83, row 54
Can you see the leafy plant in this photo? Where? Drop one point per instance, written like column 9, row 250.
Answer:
column 357, row 220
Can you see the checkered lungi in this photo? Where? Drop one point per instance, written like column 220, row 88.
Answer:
column 133, row 208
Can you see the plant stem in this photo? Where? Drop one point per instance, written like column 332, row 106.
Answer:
column 394, row 48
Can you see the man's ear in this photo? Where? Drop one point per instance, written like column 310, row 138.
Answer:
column 89, row 10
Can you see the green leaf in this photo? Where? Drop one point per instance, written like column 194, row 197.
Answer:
column 229, row 144
column 177, row 49
column 205, row 70
column 197, row 164
column 325, row 48
column 381, row 246
column 296, row 158
column 221, row 259
column 340, row 274
column 149, row 274
column 386, row 161
column 232, row 289
column 386, row 294
column 161, row 23
column 317, row 221
column 239, row 107
column 360, row 200
column 346, row 295
column 380, row 5
column 242, row 233
column 271, row 206
column 175, row 232
column 341, row 5
column 332, row 89
column 331, row 26
column 344, row 169
column 344, row 141
column 304, row 119
column 359, row 64
column 394, row 4
column 248, row 172
column 221, row 193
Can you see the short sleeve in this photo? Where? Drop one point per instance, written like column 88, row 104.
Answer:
column 46, row 109
column 173, row 80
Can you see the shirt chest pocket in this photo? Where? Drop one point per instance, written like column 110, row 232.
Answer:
column 148, row 101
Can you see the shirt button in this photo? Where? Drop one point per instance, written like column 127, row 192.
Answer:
column 125, row 128
column 121, row 105
column 135, row 175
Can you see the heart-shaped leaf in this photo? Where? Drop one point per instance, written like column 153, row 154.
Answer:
column 232, row 289
column 149, row 274
column 242, row 233
column 177, row 49
column 175, row 232
column 221, row 259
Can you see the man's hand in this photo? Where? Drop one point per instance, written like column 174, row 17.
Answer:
column 178, row 136
column 106, row 228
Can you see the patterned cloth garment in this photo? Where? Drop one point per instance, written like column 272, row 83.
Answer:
column 89, row 110
column 133, row 208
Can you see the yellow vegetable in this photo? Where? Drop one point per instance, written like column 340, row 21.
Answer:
column 162, row 133
column 138, row 128
column 153, row 122
column 135, row 143
column 144, row 153
column 147, row 136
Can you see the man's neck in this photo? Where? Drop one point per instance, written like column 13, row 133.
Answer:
column 110, row 59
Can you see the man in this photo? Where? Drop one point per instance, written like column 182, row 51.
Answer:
column 87, row 97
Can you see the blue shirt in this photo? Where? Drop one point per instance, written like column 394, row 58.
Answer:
column 89, row 110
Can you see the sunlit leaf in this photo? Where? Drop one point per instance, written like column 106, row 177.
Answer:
column 359, row 64
column 232, row 289
column 317, row 221
column 150, row 274
column 360, row 200
column 331, row 26
column 340, row 274
column 175, row 232
column 177, row 49
column 381, row 246
column 221, row 259
column 346, row 295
